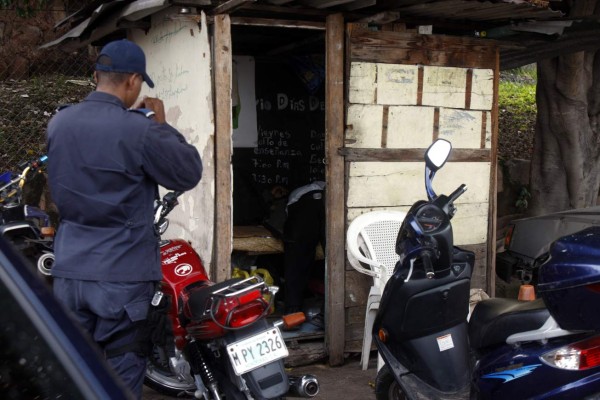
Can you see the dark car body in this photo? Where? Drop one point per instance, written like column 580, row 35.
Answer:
column 528, row 240
column 43, row 353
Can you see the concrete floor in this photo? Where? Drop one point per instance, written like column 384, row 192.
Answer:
column 347, row 382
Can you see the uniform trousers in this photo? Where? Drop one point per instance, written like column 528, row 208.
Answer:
column 113, row 313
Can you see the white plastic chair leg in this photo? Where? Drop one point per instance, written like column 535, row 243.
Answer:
column 367, row 338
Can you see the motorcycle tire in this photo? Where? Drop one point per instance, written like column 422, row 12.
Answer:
column 386, row 387
column 159, row 377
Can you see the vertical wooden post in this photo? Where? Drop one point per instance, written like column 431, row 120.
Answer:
column 334, row 139
column 493, row 209
column 222, row 65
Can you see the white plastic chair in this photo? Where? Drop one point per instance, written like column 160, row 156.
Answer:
column 371, row 241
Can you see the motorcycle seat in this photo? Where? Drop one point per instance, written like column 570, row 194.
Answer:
column 494, row 320
column 198, row 295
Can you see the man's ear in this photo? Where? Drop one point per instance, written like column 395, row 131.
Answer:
column 131, row 80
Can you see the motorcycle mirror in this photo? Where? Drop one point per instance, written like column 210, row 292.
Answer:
column 437, row 154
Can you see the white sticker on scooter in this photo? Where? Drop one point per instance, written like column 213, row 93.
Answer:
column 183, row 269
column 445, row 342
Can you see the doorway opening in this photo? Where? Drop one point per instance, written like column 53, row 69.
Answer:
column 279, row 214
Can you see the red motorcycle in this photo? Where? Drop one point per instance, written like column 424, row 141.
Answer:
column 218, row 342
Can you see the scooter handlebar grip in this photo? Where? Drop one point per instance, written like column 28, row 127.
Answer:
column 427, row 265
column 458, row 192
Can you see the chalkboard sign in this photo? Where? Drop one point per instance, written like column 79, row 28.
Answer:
column 290, row 115
column 291, row 130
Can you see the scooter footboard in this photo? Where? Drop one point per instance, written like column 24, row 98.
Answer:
column 440, row 361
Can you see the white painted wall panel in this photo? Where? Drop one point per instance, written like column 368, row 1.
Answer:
column 469, row 225
column 362, row 83
column 462, row 128
column 444, row 86
column 179, row 61
column 397, row 84
column 482, row 89
column 410, row 127
column 394, row 184
column 363, row 126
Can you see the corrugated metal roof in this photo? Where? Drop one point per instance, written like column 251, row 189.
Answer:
column 471, row 10
column 460, row 17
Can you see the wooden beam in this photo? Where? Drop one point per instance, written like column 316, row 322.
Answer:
column 324, row 3
column 411, row 155
column 493, row 209
column 278, row 23
column 229, row 6
column 358, row 4
column 381, row 18
column 222, row 64
column 335, row 198
column 411, row 49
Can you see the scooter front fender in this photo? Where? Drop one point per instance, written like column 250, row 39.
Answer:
column 414, row 387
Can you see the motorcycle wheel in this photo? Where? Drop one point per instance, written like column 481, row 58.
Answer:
column 159, row 377
column 386, row 387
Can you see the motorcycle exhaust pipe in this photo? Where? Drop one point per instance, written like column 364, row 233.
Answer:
column 303, row 386
column 45, row 264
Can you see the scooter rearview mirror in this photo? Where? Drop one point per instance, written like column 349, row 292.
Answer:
column 437, row 154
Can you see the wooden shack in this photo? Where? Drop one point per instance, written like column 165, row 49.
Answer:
column 382, row 80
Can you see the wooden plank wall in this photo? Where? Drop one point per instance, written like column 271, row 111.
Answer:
column 404, row 91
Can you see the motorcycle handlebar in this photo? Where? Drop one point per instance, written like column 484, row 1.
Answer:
column 457, row 193
column 427, row 264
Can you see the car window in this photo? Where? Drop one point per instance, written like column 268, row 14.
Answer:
column 29, row 368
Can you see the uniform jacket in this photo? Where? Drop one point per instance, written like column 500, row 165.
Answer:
column 104, row 164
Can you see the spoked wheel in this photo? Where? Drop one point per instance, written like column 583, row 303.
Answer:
column 160, row 377
column 386, row 387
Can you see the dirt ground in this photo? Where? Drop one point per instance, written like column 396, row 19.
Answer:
column 347, row 382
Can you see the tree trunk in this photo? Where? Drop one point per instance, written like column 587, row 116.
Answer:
column 565, row 165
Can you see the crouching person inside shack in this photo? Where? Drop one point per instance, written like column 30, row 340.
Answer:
column 107, row 157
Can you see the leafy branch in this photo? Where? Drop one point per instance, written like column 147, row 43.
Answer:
column 24, row 8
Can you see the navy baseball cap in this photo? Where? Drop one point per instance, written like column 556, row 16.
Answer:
column 123, row 56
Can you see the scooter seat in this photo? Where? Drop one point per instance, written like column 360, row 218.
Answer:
column 494, row 320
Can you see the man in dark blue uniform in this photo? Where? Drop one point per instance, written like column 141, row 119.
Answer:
column 105, row 162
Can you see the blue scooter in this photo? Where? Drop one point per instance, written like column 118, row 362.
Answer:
column 547, row 348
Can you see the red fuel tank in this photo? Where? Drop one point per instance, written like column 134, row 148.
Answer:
column 181, row 266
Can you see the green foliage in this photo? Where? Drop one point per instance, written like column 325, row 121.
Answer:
column 518, row 97
column 517, row 113
column 27, row 106
column 24, row 8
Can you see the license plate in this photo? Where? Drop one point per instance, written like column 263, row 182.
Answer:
column 256, row 351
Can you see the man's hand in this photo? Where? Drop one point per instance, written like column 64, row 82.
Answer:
column 154, row 104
